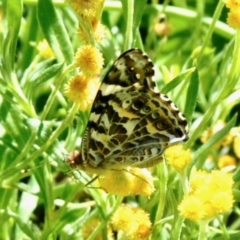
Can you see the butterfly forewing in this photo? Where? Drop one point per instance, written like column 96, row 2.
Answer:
column 131, row 123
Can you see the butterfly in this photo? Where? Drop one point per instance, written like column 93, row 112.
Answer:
column 131, row 123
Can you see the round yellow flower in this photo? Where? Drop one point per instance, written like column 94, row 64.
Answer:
column 177, row 157
column 232, row 4
column 82, row 90
column 233, row 18
column 133, row 221
column 89, row 59
column 189, row 206
column 127, row 181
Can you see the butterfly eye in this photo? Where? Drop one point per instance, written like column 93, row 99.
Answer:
column 161, row 125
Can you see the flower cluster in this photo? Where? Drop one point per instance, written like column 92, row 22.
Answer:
column 233, row 19
column 88, row 59
column 211, row 194
column 128, row 181
column 132, row 221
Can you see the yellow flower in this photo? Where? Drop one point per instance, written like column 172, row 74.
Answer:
column 177, row 157
column 197, row 179
column 90, row 225
column 133, row 221
column 44, row 49
column 233, row 18
column 211, row 194
column 128, row 181
column 232, row 3
column 189, row 206
column 226, row 160
column 82, row 90
column 95, row 28
column 89, row 59
column 87, row 8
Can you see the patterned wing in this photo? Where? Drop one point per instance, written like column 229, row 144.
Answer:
column 131, row 123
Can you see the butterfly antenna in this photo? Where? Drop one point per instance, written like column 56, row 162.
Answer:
column 91, row 181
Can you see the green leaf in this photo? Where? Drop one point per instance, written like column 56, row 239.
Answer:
column 42, row 74
column 236, row 176
column 55, row 31
column 236, row 194
column 29, row 34
column 133, row 11
column 13, row 10
column 176, row 81
column 192, row 94
column 139, row 7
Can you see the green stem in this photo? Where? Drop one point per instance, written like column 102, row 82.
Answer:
column 163, row 179
column 211, row 29
column 203, row 230
column 177, row 230
column 184, row 181
column 129, row 30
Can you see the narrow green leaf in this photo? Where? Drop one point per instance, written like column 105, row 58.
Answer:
column 176, row 81
column 42, row 75
column 236, row 176
column 192, row 94
column 13, row 11
column 139, row 7
column 55, row 31
column 30, row 34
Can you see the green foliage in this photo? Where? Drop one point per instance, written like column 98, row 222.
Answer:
column 197, row 65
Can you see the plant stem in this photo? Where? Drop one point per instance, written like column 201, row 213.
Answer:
column 203, row 229
column 211, row 29
column 129, row 30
